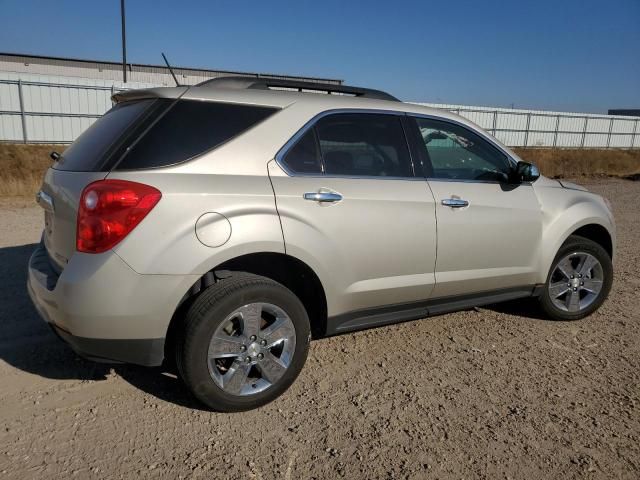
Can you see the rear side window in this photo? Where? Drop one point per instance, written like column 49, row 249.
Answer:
column 90, row 150
column 189, row 128
column 367, row 145
column 304, row 157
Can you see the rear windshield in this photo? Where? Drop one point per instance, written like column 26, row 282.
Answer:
column 88, row 152
column 158, row 133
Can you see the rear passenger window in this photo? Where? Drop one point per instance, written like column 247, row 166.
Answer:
column 304, row 156
column 368, row 145
column 190, row 128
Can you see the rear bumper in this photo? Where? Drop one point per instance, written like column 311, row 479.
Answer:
column 103, row 309
column 146, row 352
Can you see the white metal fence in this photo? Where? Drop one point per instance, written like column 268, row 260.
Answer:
column 43, row 109
column 536, row 128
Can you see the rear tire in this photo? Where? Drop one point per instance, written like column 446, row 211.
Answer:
column 261, row 342
column 579, row 280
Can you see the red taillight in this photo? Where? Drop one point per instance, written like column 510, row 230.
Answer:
column 109, row 210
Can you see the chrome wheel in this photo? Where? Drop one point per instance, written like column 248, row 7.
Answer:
column 251, row 349
column 576, row 282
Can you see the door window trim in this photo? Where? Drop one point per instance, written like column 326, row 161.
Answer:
column 419, row 173
column 311, row 125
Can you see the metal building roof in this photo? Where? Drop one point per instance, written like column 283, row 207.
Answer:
column 137, row 72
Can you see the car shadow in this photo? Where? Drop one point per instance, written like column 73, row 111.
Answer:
column 27, row 343
column 527, row 308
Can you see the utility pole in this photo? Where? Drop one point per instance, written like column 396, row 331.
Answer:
column 124, row 44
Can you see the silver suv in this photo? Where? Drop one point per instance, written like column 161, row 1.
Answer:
column 228, row 223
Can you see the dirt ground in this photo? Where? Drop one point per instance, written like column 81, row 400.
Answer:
column 489, row 393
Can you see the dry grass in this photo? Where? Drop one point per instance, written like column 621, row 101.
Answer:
column 560, row 162
column 22, row 166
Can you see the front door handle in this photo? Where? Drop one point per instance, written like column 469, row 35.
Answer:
column 455, row 203
column 323, row 197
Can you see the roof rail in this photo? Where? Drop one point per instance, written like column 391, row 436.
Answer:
column 240, row 83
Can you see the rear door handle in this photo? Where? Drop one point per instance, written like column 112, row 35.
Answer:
column 323, row 197
column 455, row 203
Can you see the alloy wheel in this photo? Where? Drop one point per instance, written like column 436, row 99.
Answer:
column 576, row 282
column 251, row 349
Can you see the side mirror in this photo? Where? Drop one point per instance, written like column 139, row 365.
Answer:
column 437, row 135
column 525, row 172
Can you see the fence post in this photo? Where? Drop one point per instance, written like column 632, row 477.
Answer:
column 495, row 122
column 635, row 132
column 610, row 130
column 555, row 132
column 526, row 130
column 22, row 116
column 111, row 97
column 584, row 132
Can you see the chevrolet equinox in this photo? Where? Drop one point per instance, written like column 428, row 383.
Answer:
column 224, row 225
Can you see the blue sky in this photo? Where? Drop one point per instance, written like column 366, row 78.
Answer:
column 562, row 55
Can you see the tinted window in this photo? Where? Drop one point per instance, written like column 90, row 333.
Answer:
column 457, row 153
column 364, row 145
column 304, row 156
column 190, row 128
column 90, row 149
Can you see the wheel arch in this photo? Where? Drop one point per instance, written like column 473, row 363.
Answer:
column 592, row 228
column 596, row 233
column 290, row 271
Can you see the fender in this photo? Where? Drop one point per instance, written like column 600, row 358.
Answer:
column 564, row 212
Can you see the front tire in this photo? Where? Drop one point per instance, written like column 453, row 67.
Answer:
column 579, row 280
column 245, row 341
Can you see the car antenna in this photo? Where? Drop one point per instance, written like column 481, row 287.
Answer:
column 171, row 70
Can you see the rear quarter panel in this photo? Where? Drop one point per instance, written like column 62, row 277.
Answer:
column 231, row 180
column 165, row 242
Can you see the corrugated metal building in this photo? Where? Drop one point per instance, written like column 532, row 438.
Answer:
column 53, row 100
column 112, row 71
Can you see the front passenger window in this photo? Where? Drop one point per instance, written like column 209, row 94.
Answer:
column 457, row 153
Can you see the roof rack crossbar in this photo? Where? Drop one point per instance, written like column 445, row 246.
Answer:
column 238, row 82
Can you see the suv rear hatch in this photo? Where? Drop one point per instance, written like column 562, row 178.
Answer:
column 139, row 133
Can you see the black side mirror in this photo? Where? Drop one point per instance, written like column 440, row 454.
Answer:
column 435, row 136
column 525, row 172
column 54, row 156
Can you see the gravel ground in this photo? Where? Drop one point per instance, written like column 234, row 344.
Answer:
column 488, row 393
